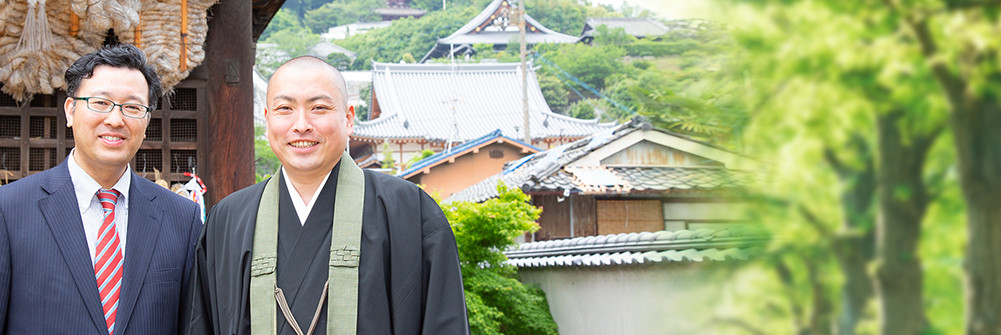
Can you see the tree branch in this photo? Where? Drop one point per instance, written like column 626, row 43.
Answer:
column 954, row 85
column 814, row 221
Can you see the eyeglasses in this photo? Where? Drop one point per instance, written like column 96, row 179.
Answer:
column 102, row 105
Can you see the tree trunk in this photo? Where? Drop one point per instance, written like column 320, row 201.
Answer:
column 821, row 311
column 976, row 133
column 855, row 247
column 975, row 121
column 903, row 200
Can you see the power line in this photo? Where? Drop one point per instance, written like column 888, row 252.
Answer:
column 560, row 71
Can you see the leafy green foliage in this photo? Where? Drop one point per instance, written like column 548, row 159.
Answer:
column 284, row 19
column 417, row 158
column 497, row 302
column 339, row 60
column 563, row 16
column 281, row 46
column 388, row 162
column 413, row 36
column 265, row 161
column 362, row 112
column 338, row 13
column 814, row 100
column 590, row 64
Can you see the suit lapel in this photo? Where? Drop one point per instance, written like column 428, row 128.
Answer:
column 61, row 213
column 144, row 227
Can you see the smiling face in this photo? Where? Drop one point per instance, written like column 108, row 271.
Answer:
column 308, row 121
column 106, row 142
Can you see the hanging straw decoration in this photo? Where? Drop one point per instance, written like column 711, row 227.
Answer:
column 40, row 39
column 36, row 35
column 173, row 42
column 25, row 72
column 120, row 15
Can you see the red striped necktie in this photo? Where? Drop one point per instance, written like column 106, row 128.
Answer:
column 108, row 264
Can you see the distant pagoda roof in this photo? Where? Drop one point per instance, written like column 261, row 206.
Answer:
column 461, row 102
column 492, row 26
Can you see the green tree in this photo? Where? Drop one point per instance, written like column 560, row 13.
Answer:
column 957, row 42
column 281, row 46
column 362, row 112
column 497, row 302
column 554, row 91
column 284, row 19
column 342, row 12
column 564, row 16
column 339, row 60
column 590, row 64
column 265, row 161
column 424, row 154
column 867, row 122
column 408, row 35
column 388, row 162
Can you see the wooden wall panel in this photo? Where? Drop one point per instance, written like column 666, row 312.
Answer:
column 629, row 216
column 554, row 222
column 585, row 223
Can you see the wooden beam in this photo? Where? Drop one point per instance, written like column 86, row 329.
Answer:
column 229, row 58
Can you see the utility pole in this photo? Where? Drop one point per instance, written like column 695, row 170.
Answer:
column 524, row 69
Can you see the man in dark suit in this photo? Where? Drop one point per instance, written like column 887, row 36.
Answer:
column 89, row 247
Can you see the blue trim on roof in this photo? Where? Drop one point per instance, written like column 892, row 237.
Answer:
column 442, row 155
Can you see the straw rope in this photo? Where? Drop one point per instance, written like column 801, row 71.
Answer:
column 163, row 39
column 24, row 72
column 78, row 27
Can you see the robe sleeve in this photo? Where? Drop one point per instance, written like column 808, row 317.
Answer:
column 189, row 271
column 196, row 318
column 445, row 308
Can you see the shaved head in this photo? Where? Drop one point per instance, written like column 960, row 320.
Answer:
column 310, row 63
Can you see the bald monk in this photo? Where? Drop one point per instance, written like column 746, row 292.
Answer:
column 324, row 247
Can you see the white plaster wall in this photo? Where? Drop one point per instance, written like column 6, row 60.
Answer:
column 673, row 298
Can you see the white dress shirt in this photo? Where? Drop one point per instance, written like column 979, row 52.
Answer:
column 90, row 207
column 301, row 207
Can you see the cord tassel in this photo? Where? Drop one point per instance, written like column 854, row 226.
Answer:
column 36, row 35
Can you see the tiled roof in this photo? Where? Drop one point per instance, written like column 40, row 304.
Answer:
column 461, row 102
column 635, row 26
column 459, row 150
column 547, row 171
column 494, row 34
column 639, row 248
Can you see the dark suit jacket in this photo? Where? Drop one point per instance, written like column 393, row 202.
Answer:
column 47, row 282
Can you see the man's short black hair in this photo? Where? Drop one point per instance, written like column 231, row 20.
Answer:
column 120, row 56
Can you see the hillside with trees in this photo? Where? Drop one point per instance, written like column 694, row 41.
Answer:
column 678, row 81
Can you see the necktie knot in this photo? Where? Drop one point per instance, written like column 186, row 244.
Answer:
column 108, row 198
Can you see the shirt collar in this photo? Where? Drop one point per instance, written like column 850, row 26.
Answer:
column 301, row 207
column 86, row 187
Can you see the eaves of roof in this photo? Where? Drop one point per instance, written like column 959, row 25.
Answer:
column 468, row 33
column 460, row 102
column 470, row 146
column 638, row 248
column 552, row 171
column 636, row 258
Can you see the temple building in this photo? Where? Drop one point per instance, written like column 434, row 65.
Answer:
column 417, row 107
column 494, row 26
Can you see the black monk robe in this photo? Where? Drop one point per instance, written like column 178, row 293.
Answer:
column 409, row 280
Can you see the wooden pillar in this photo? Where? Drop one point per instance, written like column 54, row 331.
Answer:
column 229, row 60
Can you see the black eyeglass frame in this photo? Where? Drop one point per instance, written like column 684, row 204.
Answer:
column 121, row 108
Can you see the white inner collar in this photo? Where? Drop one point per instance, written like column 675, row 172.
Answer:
column 301, row 207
